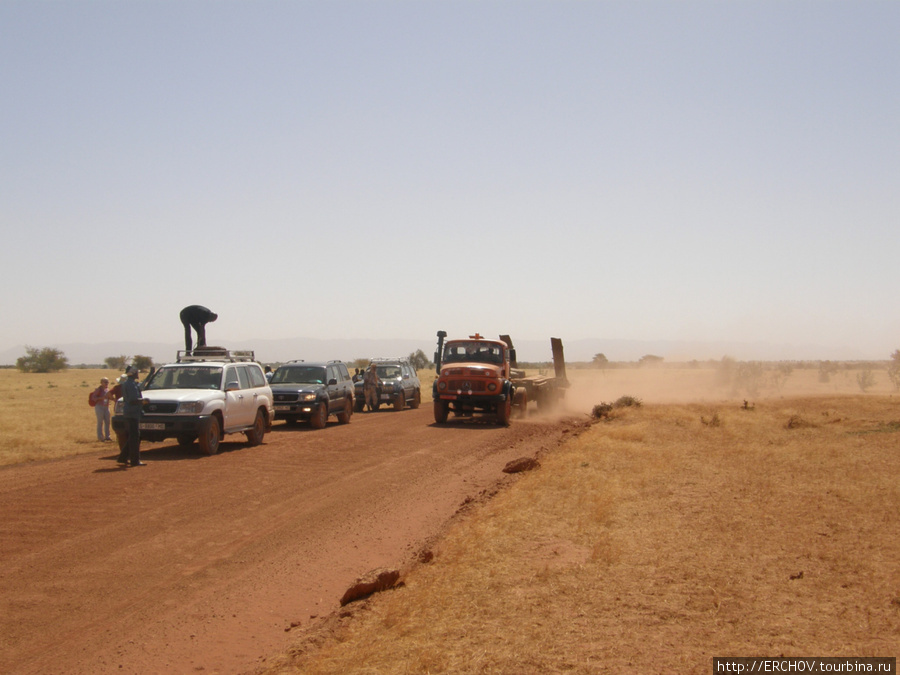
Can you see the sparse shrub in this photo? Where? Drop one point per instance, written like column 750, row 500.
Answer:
column 627, row 401
column 797, row 422
column 865, row 379
column 714, row 421
column 46, row 360
column 601, row 410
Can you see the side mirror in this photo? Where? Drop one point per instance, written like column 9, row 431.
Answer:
column 232, row 386
column 332, row 381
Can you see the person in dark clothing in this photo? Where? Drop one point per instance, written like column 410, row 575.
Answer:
column 196, row 317
column 132, row 411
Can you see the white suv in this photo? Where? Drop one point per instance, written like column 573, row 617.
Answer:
column 203, row 397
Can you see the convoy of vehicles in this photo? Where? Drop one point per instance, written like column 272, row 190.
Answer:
column 211, row 392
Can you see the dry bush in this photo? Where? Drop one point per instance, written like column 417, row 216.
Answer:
column 646, row 546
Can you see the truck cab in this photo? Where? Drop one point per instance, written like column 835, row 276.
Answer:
column 473, row 378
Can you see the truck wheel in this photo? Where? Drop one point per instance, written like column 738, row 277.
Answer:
column 344, row 415
column 417, row 399
column 504, row 412
column 209, row 442
column 320, row 417
column 400, row 402
column 255, row 435
column 441, row 410
column 185, row 441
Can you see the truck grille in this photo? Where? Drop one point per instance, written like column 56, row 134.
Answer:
column 465, row 385
column 161, row 408
column 285, row 398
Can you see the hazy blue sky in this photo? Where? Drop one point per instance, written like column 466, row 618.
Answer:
column 626, row 170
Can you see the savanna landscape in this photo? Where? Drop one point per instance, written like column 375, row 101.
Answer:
column 679, row 512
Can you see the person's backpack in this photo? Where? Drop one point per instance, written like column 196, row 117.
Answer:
column 92, row 400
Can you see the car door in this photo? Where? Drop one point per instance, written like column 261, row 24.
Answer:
column 237, row 403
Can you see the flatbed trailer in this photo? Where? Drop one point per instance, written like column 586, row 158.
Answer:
column 544, row 390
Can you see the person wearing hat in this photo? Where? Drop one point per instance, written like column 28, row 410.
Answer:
column 132, row 410
column 100, row 401
column 370, row 387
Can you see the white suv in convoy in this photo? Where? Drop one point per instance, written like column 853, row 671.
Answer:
column 203, row 397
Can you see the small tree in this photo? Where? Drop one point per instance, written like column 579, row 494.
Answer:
column 116, row 362
column 826, row 370
column 865, row 379
column 894, row 370
column 142, row 363
column 46, row 360
column 418, row 360
column 650, row 360
column 600, row 361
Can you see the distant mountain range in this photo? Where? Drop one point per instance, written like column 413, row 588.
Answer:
column 312, row 349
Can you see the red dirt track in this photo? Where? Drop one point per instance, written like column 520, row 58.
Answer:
column 197, row 563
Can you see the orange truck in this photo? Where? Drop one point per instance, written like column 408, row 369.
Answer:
column 480, row 376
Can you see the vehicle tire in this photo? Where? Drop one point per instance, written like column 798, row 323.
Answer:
column 344, row 416
column 417, row 399
column 504, row 412
column 122, row 440
column 255, row 435
column 209, row 442
column 320, row 417
column 441, row 410
column 399, row 402
column 185, row 441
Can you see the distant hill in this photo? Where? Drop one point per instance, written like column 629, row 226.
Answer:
column 314, row 349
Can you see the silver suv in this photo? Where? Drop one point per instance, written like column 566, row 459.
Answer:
column 203, row 397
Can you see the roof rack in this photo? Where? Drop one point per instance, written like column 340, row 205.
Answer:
column 379, row 359
column 215, row 354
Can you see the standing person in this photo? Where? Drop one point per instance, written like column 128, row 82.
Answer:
column 100, row 401
column 132, row 411
column 370, row 387
column 196, row 317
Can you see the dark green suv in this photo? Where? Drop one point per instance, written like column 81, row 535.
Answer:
column 311, row 391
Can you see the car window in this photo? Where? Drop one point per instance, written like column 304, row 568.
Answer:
column 244, row 377
column 299, row 375
column 231, row 375
column 331, row 374
column 343, row 372
column 257, row 379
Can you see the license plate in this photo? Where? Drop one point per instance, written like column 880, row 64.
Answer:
column 282, row 408
column 151, row 426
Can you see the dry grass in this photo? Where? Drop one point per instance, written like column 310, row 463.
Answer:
column 653, row 542
column 46, row 416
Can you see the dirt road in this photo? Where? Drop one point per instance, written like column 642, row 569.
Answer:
column 197, row 563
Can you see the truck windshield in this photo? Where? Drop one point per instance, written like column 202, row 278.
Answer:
column 478, row 352
column 299, row 375
column 186, row 377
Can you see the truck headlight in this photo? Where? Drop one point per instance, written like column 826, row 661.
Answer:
column 442, row 385
column 307, row 397
column 190, row 408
